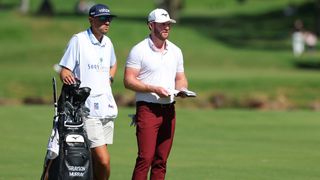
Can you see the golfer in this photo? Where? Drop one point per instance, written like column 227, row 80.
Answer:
column 154, row 67
column 90, row 57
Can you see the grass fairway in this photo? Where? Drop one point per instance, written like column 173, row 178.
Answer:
column 222, row 144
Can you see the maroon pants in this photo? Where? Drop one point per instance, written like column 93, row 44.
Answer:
column 155, row 131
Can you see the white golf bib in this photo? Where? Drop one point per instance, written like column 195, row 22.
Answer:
column 102, row 106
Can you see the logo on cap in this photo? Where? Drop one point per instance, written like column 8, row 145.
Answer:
column 104, row 10
column 100, row 10
column 160, row 16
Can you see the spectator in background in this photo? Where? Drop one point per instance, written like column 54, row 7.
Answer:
column 310, row 40
column 289, row 10
column 298, row 38
column 82, row 7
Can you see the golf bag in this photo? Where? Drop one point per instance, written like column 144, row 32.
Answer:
column 68, row 156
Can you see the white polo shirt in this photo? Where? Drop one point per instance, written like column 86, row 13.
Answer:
column 156, row 68
column 90, row 61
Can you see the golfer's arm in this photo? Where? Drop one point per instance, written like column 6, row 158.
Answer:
column 131, row 82
column 181, row 81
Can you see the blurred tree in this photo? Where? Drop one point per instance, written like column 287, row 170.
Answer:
column 316, row 11
column 241, row 1
column 317, row 21
column 46, row 8
column 24, row 6
column 175, row 6
column 172, row 6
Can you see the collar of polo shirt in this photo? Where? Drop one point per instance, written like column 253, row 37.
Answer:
column 94, row 40
column 154, row 48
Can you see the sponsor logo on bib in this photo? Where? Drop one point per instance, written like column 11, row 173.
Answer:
column 96, row 106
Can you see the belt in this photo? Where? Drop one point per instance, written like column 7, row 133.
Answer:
column 156, row 105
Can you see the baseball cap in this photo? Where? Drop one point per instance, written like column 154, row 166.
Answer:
column 100, row 10
column 160, row 16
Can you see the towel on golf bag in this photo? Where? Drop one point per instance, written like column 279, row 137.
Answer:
column 73, row 161
column 53, row 142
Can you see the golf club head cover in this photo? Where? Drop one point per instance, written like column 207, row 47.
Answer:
column 72, row 101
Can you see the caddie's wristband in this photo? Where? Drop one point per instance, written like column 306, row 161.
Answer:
column 111, row 79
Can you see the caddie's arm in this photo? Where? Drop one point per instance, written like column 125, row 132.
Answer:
column 113, row 70
column 67, row 76
column 133, row 83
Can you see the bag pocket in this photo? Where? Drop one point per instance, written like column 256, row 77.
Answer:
column 77, row 158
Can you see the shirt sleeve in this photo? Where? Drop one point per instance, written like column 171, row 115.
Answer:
column 134, row 59
column 113, row 58
column 71, row 56
column 180, row 67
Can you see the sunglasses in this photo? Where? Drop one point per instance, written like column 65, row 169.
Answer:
column 104, row 18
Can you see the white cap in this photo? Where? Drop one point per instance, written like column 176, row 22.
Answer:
column 160, row 16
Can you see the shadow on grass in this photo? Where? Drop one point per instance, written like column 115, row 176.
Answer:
column 268, row 31
column 307, row 62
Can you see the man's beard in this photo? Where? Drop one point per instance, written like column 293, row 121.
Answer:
column 159, row 35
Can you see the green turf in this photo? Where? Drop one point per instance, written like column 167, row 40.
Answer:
column 224, row 144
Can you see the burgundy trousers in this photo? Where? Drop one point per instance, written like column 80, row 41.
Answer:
column 155, row 125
